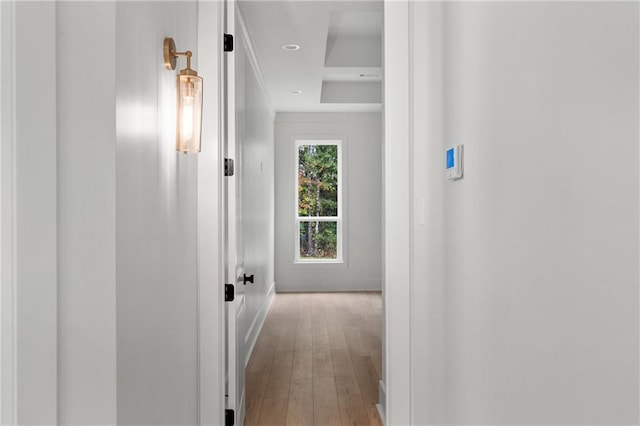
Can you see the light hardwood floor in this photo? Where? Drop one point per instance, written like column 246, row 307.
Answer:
column 317, row 361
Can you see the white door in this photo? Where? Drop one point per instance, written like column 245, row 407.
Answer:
column 234, row 259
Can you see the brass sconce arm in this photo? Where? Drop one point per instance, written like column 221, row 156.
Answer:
column 171, row 54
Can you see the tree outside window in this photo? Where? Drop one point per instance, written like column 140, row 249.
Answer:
column 318, row 201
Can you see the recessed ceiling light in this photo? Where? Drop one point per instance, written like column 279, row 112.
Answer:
column 290, row 46
column 296, row 91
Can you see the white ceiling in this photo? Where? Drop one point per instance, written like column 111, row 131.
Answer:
column 339, row 64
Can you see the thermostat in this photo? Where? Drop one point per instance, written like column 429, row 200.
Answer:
column 454, row 162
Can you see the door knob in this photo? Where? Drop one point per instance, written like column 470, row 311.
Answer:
column 246, row 279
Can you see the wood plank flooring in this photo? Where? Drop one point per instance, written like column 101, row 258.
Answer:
column 318, row 361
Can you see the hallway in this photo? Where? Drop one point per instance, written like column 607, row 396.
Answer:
column 317, row 361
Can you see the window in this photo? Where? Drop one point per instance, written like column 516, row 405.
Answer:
column 318, row 201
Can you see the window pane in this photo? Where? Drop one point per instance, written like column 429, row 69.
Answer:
column 318, row 240
column 317, row 180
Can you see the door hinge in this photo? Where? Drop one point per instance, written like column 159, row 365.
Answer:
column 229, row 418
column 228, row 167
column 229, row 293
column 228, row 43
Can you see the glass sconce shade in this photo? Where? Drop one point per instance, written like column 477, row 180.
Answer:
column 189, row 123
column 189, row 95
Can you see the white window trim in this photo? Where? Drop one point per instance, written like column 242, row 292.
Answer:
column 339, row 218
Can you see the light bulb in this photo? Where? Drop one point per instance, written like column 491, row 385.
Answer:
column 189, row 113
column 187, row 117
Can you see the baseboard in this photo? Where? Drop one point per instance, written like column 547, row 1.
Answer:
column 250, row 333
column 259, row 322
column 271, row 293
column 382, row 398
column 300, row 286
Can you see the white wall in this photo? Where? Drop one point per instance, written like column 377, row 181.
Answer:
column 7, row 282
column 93, row 192
column 255, row 120
column 427, row 220
column 361, row 135
column 29, row 229
column 540, row 269
column 156, row 219
column 86, row 212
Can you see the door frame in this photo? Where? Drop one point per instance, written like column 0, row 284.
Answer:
column 210, row 214
column 395, row 392
column 395, row 407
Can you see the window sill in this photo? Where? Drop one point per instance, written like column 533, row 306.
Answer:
column 319, row 262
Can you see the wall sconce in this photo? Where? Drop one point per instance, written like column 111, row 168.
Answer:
column 189, row 91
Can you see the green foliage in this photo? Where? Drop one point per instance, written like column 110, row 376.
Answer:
column 318, row 180
column 318, row 196
column 319, row 240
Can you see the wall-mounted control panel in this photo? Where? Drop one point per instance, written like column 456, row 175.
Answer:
column 453, row 162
